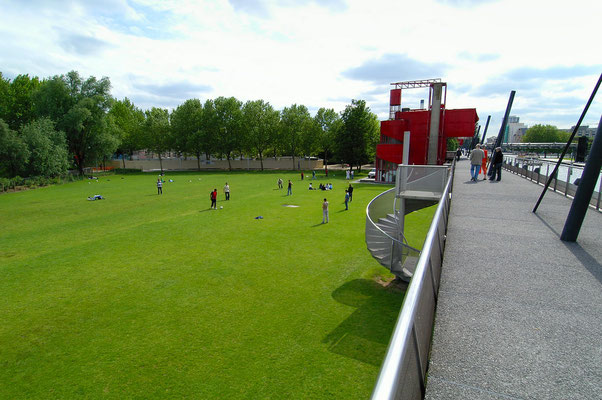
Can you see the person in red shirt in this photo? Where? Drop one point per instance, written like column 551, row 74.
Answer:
column 213, row 196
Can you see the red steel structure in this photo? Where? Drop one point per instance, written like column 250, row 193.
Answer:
column 424, row 128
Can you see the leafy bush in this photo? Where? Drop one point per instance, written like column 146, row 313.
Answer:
column 5, row 183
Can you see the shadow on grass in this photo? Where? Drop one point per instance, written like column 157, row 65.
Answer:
column 207, row 209
column 364, row 335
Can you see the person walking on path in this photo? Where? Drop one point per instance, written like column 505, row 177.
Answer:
column 484, row 164
column 350, row 190
column 213, row 197
column 325, row 212
column 476, row 158
column 279, row 183
column 159, row 186
column 289, row 191
column 346, row 199
column 227, row 191
column 458, row 154
column 496, row 161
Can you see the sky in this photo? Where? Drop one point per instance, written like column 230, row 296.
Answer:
column 320, row 53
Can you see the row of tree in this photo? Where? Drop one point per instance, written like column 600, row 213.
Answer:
column 48, row 125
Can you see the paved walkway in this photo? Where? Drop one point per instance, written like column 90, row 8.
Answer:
column 519, row 314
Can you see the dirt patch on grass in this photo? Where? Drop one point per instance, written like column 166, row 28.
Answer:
column 391, row 283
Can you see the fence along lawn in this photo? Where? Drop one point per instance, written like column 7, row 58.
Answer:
column 150, row 296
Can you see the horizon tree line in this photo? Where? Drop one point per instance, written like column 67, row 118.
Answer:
column 49, row 126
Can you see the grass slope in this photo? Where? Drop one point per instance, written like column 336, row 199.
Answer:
column 147, row 296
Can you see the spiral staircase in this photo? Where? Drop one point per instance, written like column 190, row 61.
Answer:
column 416, row 187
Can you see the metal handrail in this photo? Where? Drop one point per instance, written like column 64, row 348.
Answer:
column 401, row 377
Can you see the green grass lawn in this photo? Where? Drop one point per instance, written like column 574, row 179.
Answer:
column 147, row 296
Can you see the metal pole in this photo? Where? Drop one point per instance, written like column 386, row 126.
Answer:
column 584, row 190
column 485, row 131
column 568, row 143
column 500, row 135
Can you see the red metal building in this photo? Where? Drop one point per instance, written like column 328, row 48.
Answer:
column 429, row 129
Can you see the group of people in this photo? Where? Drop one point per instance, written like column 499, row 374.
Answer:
column 322, row 186
column 478, row 162
column 213, row 196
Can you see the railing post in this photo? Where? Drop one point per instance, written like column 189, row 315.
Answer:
column 599, row 193
column 568, row 178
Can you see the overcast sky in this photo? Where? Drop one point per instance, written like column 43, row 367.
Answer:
column 320, row 53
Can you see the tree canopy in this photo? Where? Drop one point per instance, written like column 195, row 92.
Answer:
column 544, row 134
column 68, row 120
column 80, row 109
column 358, row 134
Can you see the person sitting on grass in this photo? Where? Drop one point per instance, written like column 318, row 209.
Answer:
column 310, row 186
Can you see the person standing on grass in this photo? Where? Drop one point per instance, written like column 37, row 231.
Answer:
column 289, row 191
column 227, row 191
column 279, row 183
column 302, row 175
column 346, row 199
column 325, row 212
column 476, row 157
column 350, row 190
column 213, row 197
column 496, row 164
column 159, row 186
column 313, row 174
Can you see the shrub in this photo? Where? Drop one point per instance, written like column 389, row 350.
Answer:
column 5, row 183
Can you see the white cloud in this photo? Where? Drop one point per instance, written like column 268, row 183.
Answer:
column 317, row 53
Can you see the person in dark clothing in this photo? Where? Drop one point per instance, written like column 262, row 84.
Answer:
column 458, row 154
column 213, row 197
column 350, row 191
column 496, row 164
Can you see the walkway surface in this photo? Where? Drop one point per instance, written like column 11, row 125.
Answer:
column 519, row 314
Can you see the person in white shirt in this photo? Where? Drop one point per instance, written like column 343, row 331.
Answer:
column 227, row 191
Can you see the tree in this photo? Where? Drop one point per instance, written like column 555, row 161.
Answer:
column 261, row 122
column 328, row 122
column 452, row 144
column 542, row 134
column 187, row 129
column 79, row 108
column 21, row 108
column 295, row 123
column 127, row 121
column 358, row 135
column 158, row 132
column 14, row 153
column 48, row 154
column 5, row 98
column 227, row 125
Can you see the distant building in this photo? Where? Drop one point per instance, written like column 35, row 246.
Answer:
column 584, row 130
column 515, row 130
